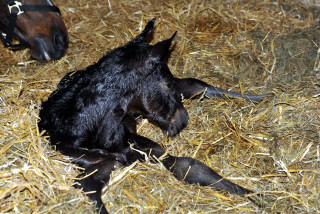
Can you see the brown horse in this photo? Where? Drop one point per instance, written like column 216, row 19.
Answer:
column 37, row 24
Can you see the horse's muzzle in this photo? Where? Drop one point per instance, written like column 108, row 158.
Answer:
column 46, row 49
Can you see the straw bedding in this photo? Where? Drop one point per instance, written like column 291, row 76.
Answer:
column 271, row 147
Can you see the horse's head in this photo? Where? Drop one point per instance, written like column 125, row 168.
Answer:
column 158, row 100
column 156, row 97
column 40, row 27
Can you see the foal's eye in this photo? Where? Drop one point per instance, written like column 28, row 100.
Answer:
column 170, row 86
column 165, row 88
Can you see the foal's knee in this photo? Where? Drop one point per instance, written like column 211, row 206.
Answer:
column 102, row 170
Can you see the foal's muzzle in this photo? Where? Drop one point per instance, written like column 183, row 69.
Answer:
column 177, row 122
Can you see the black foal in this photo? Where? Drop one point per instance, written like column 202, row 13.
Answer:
column 91, row 116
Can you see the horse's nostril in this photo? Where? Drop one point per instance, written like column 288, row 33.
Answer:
column 59, row 40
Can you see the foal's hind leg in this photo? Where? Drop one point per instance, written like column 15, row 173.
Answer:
column 187, row 169
column 188, row 87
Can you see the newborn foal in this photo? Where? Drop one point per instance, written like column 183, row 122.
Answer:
column 91, row 116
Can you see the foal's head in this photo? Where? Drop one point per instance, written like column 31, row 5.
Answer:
column 156, row 97
column 43, row 31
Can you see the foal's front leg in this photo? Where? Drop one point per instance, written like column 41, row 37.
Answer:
column 193, row 171
column 187, row 169
column 98, row 164
column 95, row 177
column 188, row 87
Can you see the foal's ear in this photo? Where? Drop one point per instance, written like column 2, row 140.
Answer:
column 161, row 49
column 146, row 32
